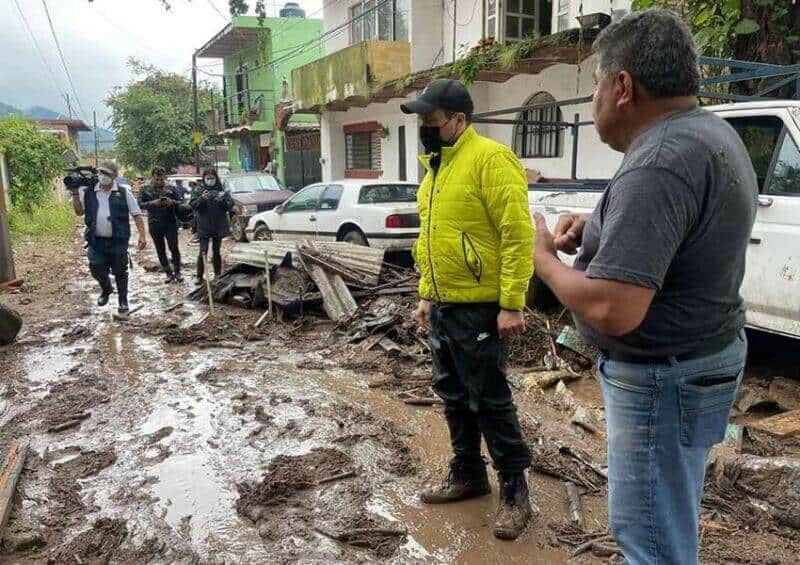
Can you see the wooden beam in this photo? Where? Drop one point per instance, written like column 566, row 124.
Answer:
column 12, row 467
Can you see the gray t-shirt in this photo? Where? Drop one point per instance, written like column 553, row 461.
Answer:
column 676, row 218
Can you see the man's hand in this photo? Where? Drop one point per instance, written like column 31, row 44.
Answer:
column 167, row 202
column 569, row 232
column 142, row 242
column 206, row 195
column 423, row 314
column 544, row 244
column 76, row 192
column 510, row 322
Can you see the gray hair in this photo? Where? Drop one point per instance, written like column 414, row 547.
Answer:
column 655, row 46
column 109, row 166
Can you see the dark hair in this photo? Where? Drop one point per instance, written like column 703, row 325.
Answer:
column 655, row 46
column 157, row 171
column 211, row 171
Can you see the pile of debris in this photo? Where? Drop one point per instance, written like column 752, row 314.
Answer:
column 306, row 277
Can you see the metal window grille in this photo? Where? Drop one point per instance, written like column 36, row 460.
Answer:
column 361, row 151
column 539, row 140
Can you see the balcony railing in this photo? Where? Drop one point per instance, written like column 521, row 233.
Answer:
column 348, row 74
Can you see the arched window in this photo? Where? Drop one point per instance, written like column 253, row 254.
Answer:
column 540, row 139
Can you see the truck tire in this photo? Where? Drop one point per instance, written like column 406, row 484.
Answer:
column 237, row 229
column 10, row 324
column 262, row 233
column 355, row 237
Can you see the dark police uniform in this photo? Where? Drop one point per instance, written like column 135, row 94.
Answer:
column 162, row 223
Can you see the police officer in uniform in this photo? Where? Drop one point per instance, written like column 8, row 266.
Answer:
column 106, row 208
column 161, row 200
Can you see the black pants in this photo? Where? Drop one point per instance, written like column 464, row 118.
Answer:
column 163, row 236
column 216, row 246
column 469, row 374
column 106, row 254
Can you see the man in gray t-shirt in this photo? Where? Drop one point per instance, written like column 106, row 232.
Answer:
column 656, row 285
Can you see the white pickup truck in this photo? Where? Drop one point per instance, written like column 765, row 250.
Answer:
column 771, row 287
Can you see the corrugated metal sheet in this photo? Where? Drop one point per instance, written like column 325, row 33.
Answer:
column 364, row 260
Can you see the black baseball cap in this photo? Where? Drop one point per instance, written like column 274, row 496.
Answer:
column 444, row 93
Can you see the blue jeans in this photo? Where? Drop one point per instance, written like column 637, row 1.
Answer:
column 662, row 421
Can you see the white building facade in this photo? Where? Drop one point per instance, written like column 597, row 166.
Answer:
column 374, row 139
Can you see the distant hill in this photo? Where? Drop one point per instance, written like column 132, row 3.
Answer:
column 106, row 138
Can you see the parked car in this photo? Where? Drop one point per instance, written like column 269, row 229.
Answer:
column 253, row 193
column 363, row 212
column 770, row 131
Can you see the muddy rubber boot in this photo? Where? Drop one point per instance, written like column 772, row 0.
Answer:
column 122, row 290
column 101, row 276
column 458, row 485
column 514, row 510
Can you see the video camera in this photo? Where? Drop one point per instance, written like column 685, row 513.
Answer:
column 78, row 176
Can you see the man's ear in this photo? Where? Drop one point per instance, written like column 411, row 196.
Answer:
column 624, row 87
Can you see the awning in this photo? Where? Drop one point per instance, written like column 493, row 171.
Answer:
column 229, row 41
column 256, row 128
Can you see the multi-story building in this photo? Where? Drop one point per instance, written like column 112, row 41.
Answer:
column 258, row 58
column 379, row 53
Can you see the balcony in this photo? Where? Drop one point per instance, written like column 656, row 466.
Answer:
column 347, row 77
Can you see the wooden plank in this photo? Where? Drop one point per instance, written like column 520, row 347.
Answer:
column 12, row 467
column 786, row 424
column 330, row 301
column 346, row 299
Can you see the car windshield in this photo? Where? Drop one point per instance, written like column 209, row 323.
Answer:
column 383, row 193
column 252, row 183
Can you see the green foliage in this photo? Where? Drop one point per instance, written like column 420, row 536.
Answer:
column 34, row 159
column 153, row 118
column 51, row 220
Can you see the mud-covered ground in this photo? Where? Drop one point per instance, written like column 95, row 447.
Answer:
column 199, row 439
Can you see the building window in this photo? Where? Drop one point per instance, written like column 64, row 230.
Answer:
column 539, row 139
column 563, row 22
column 362, row 150
column 514, row 20
column 379, row 19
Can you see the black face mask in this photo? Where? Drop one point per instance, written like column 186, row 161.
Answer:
column 430, row 138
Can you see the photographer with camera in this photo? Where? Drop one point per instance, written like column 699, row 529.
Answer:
column 211, row 205
column 106, row 207
column 161, row 201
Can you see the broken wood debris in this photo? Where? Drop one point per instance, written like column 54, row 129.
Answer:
column 12, row 467
column 574, row 498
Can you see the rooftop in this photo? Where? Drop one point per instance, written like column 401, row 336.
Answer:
column 71, row 124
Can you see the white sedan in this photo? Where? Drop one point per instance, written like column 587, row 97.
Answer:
column 373, row 213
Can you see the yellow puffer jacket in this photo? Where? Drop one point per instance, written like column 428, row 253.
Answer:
column 476, row 235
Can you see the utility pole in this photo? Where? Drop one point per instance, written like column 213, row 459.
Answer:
column 69, row 106
column 7, row 272
column 214, row 126
column 94, row 131
column 196, row 132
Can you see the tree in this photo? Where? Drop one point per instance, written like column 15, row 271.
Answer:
column 153, row 119
column 34, row 159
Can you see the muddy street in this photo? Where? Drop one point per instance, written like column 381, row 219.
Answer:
column 183, row 437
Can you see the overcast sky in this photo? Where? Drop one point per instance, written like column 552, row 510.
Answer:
column 97, row 38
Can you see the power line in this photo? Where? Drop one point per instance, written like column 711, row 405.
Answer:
column 217, row 10
column 38, row 48
column 63, row 60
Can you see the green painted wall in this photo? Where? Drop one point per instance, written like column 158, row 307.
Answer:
column 286, row 44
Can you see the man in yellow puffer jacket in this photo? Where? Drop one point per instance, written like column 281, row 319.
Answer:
column 474, row 255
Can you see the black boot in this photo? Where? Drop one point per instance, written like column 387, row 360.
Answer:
column 170, row 276
column 198, row 279
column 122, row 290
column 100, row 274
column 460, row 484
column 177, row 271
column 514, row 510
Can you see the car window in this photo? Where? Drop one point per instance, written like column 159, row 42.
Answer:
column 304, row 200
column 760, row 136
column 785, row 178
column 330, row 199
column 252, row 183
column 383, row 193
